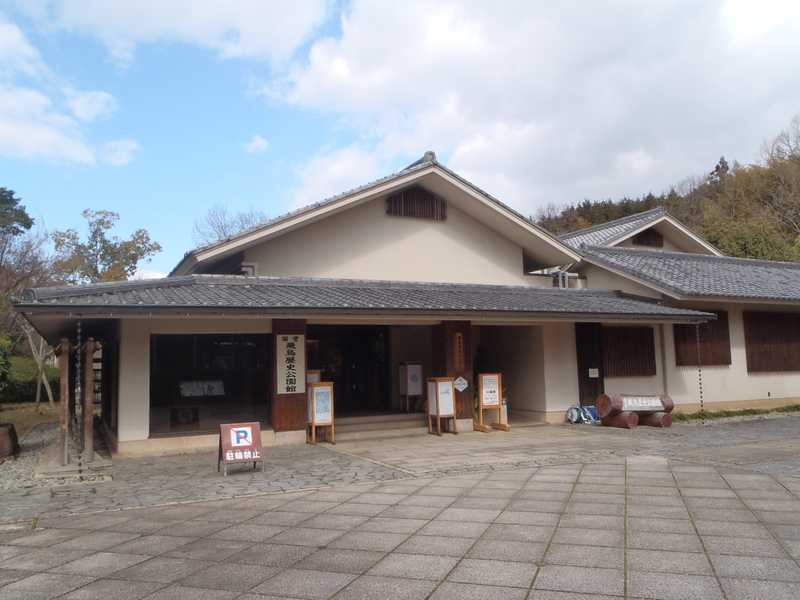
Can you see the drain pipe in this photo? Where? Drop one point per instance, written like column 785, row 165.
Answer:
column 700, row 375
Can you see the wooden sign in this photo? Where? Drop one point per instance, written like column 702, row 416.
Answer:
column 409, row 382
column 239, row 443
column 441, row 403
column 320, row 410
column 290, row 356
column 490, row 397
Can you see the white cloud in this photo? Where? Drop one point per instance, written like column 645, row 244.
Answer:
column 88, row 106
column 332, row 172
column 256, row 145
column 17, row 54
column 148, row 274
column 120, row 152
column 246, row 28
column 541, row 102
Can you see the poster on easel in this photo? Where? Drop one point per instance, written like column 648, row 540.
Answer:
column 320, row 410
column 490, row 397
column 441, row 404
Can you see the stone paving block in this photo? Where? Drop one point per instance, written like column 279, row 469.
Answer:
column 467, row 591
column 247, row 532
column 400, row 511
column 113, row 589
column 436, row 545
column 100, row 564
column 755, row 567
column 369, row 540
column 519, row 533
column 693, row 563
column 314, row 585
column 368, row 587
column 193, row 529
column 707, row 527
column 583, row 580
column 414, row 566
column 228, row 516
column 475, row 515
column 554, row 595
column 208, row 549
column 306, row 506
column 96, row 540
column 537, row 505
column 329, row 521
column 514, row 517
column 488, row 503
column 779, row 517
column 671, row 586
column 445, row 492
column 643, row 500
column 656, row 525
column 658, row 512
column 307, row 536
column 372, row 498
column 235, row 577
column 43, row 559
column 591, row 508
column 743, row 546
column 355, row 508
column 282, row 518
column 498, row 494
column 40, row 538
column 731, row 516
column 531, row 552
column 652, row 490
column 42, row 585
column 493, row 572
column 592, row 521
column 182, row 592
column 715, row 503
column 664, row 541
column 9, row 575
column 598, row 498
column 271, row 555
column 388, row 525
column 151, row 545
column 428, row 501
column 454, row 529
column 784, row 532
column 751, row 589
column 338, row 560
column 7, row 552
column 588, row 537
column 140, row 525
column 162, row 569
column 585, row 556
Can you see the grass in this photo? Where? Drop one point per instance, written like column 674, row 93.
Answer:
column 722, row 414
column 26, row 415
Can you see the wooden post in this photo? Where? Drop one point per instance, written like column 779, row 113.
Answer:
column 88, row 399
column 63, row 420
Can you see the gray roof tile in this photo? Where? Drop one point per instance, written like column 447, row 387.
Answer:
column 704, row 276
column 606, row 234
column 262, row 294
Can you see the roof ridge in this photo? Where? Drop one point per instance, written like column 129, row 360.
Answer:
column 692, row 255
column 660, row 210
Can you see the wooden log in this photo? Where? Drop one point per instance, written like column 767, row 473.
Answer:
column 623, row 420
column 609, row 405
column 659, row 419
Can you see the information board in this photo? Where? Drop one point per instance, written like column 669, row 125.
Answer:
column 290, row 356
column 441, row 398
column 320, row 405
column 239, row 443
column 642, row 403
column 410, row 379
column 490, row 390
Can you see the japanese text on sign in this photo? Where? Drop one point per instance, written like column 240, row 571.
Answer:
column 291, row 364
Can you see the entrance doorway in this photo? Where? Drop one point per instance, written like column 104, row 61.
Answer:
column 356, row 359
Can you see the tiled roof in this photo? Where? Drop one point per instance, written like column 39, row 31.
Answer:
column 263, row 294
column 704, row 276
column 606, row 234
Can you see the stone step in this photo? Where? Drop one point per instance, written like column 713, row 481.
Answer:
column 352, row 435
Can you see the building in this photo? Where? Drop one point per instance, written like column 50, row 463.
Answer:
column 423, row 266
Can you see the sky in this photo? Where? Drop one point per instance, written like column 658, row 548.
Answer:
column 162, row 109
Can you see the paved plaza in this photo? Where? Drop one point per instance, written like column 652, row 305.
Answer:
column 544, row 513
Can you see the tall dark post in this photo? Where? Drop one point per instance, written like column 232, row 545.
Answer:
column 88, row 399
column 63, row 421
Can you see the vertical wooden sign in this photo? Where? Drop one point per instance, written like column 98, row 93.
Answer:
column 290, row 359
column 320, row 410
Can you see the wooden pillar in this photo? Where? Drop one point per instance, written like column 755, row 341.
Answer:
column 289, row 409
column 63, row 421
column 452, row 357
column 88, row 399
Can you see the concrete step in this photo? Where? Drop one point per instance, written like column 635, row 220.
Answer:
column 380, row 426
column 378, row 434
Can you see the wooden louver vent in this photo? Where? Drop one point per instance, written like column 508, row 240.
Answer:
column 416, row 202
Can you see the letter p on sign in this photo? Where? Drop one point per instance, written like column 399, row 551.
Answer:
column 241, row 436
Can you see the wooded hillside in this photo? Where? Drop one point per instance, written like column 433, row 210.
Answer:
column 749, row 211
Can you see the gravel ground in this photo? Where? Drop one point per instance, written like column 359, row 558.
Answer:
column 17, row 473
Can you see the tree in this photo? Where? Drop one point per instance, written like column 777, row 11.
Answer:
column 220, row 224
column 100, row 257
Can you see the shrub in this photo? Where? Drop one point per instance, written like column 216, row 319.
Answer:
column 5, row 361
column 21, row 383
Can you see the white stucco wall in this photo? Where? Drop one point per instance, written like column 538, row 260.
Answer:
column 597, row 278
column 365, row 243
column 560, row 366
column 134, row 373
column 731, row 383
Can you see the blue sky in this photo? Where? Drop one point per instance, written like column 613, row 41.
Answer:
column 148, row 108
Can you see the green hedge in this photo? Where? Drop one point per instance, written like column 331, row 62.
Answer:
column 21, row 384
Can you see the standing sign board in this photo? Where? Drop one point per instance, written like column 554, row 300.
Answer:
column 290, row 356
column 239, row 443
column 320, row 410
column 441, row 403
column 410, row 383
column 490, row 396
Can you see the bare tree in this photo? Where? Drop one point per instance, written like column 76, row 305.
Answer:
column 220, row 224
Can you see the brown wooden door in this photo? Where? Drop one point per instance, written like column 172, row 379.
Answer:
column 589, row 347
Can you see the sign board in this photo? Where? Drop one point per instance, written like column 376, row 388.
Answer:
column 594, row 373
column 320, row 403
column 194, row 388
column 634, row 403
column 290, row 354
column 441, row 398
column 239, row 443
column 410, row 379
column 490, row 389
column 461, row 384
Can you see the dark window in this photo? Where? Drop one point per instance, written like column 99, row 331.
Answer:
column 772, row 341
column 200, row 381
column 628, row 351
column 715, row 343
column 648, row 237
column 416, row 202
